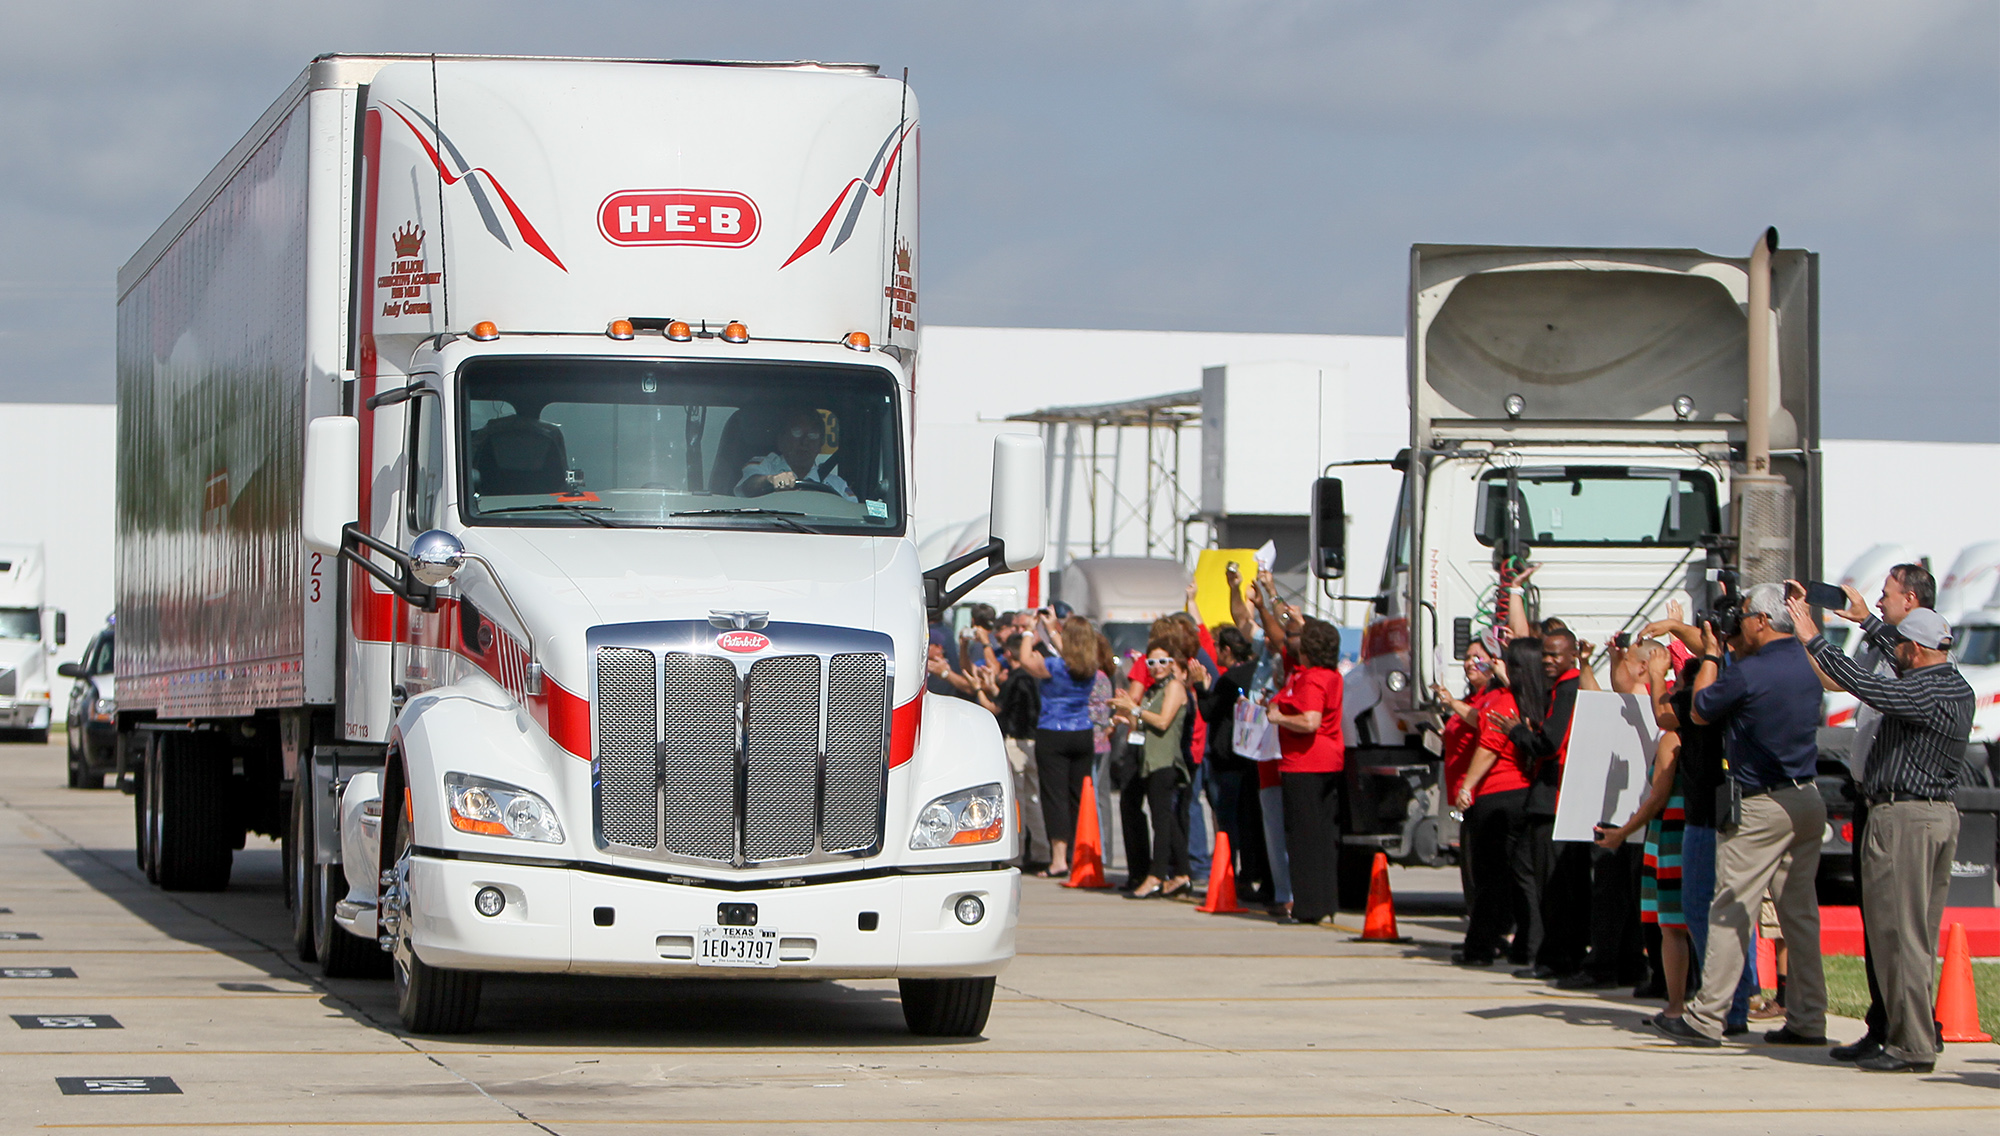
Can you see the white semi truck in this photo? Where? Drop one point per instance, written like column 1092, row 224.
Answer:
column 514, row 518
column 1594, row 411
column 30, row 634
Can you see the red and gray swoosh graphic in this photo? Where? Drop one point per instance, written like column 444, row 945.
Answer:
column 855, row 194
column 473, row 176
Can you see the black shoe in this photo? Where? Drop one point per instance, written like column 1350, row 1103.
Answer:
column 1884, row 1063
column 1536, row 971
column 1460, row 958
column 1736, row 1031
column 1783, row 1035
column 1682, row 1032
column 1867, row 1047
column 1584, row 980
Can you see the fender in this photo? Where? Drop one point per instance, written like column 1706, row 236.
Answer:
column 960, row 748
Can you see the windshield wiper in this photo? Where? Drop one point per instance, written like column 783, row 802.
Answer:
column 782, row 516
column 587, row 512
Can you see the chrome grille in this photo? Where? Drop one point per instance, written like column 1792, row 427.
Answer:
column 697, row 769
column 857, row 732
column 627, row 767
column 718, row 759
column 780, row 757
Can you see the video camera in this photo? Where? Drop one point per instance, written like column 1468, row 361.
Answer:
column 1725, row 609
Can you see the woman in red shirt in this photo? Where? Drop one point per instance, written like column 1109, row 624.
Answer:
column 1494, row 797
column 1307, row 714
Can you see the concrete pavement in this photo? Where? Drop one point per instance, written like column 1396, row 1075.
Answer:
column 1118, row 1016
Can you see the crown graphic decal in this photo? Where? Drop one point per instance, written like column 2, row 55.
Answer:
column 409, row 240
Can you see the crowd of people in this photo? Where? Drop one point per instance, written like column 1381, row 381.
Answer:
column 1726, row 841
column 1728, row 835
column 1161, row 732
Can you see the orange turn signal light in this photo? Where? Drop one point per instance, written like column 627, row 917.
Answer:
column 735, row 332
column 485, row 331
column 679, row 331
column 858, row 340
column 619, row 329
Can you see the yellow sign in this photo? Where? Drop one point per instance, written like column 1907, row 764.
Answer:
column 1211, row 582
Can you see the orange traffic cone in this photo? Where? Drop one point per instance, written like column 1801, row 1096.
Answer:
column 1221, row 880
column 1086, row 854
column 1767, row 962
column 1957, row 1004
column 1380, row 926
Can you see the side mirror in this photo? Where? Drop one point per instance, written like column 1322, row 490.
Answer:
column 436, row 556
column 1020, row 511
column 70, row 670
column 62, row 628
column 1328, row 524
column 332, row 495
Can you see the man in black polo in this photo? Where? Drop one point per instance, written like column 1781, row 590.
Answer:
column 1768, row 704
column 1561, row 872
column 1912, row 770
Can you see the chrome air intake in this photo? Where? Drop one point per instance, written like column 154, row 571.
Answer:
column 771, row 750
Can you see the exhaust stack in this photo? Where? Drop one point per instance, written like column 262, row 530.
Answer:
column 1761, row 501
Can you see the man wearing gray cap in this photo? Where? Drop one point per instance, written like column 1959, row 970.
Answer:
column 1912, row 769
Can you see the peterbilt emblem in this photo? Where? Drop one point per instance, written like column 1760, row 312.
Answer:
column 739, row 620
column 742, row 642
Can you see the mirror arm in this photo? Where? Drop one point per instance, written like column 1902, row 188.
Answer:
column 402, row 583
column 937, row 597
column 533, row 683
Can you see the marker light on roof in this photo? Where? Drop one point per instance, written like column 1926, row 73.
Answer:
column 735, row 332
column 679, row 331
column 858, row 340
column 485, row 331
column 619, row 329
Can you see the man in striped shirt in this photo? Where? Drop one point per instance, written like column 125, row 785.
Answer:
column 1913, row 768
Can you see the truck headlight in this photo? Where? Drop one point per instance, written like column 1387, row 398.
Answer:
column 971, row 816
column 495, row 808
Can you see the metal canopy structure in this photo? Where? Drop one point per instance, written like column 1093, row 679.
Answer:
column 1157, row 507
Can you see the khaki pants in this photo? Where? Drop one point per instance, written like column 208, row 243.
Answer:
column 1028, row 794
column 1906, row 870
column 1789, row 820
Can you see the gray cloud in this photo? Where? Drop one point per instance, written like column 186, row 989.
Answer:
column 1231, row 166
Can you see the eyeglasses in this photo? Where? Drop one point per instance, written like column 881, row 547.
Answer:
column 1159, row 662
column 802, row 432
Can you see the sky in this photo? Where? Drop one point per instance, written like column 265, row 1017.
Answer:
column 1220, row 166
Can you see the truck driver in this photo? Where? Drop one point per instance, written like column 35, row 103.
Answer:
column 796, row 463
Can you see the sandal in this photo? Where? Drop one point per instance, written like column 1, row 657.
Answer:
column 1146, row 890
column 1170, row 890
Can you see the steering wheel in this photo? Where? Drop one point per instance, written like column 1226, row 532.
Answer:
column 814, row 487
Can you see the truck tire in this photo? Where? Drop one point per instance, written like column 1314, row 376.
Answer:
column 341, row 953
column 946, row 1007
column 429, row 999
column 193, row 841
column 299, row 852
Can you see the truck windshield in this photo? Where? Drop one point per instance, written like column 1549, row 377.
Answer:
column 1977, row 646
column 800, row 447
column 20, row 623
column 1597, row 505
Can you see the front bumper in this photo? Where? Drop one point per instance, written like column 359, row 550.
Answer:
column 549, row 924
column 26, row 714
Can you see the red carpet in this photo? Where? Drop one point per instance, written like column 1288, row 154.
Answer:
column 1840, row 929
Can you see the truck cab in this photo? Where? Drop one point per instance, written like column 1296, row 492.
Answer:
column 31, row 632
column 1584, row 411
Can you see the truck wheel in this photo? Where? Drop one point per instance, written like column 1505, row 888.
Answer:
column 946, row 1007
column 192, row 838
column 341, row 953
column 299, row 852
column 429, row 999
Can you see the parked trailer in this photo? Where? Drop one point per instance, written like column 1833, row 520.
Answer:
column 513, row 518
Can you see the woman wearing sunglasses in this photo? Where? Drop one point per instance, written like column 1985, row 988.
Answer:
column 1313, row 753
column 1160, row 783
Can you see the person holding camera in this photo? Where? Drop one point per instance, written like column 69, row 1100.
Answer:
column 1905, row 853
column 1768, row 704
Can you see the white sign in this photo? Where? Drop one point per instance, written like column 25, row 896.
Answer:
column 1610, row 761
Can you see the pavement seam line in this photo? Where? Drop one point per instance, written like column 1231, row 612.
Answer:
column 309, row 978
column 1110, row 1018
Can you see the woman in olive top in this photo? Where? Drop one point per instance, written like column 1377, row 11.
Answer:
column 1158, row 719
column 1307, row 715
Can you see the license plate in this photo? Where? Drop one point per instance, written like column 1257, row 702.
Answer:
column 735, row 946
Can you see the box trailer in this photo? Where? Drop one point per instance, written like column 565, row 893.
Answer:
column 514, row 519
